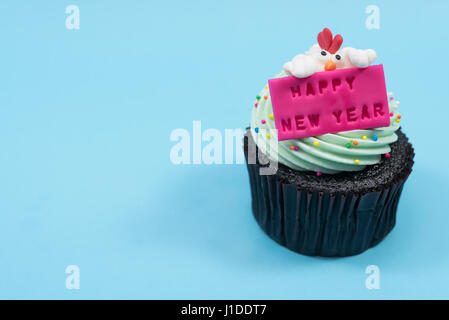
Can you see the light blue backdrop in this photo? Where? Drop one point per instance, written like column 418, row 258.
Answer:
column 86, row 178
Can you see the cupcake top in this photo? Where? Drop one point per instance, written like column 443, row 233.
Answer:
column 328, row 153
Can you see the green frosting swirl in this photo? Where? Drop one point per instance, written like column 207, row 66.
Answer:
column 328, row 153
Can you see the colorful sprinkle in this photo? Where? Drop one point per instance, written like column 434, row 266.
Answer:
column 319, row 173
column 391, row 114
column 255, row 104
column 292, row 147
column 271, row 116
column 348, row 145
column 266, row 86
column 265, row 97
column 399, row 116
column 316, row 143
column 268, row 135
column 263, row 121
column 256, row 129
column 296, row 148
column 355, row 142
column 387, row 155
column 374, row 138
column 364, row 137
column 397, row 120
column 258, row 98
column 356, row 161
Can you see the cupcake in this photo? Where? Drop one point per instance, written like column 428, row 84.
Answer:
column 326, row 157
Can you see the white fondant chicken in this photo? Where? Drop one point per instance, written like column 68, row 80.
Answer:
column 326, row 56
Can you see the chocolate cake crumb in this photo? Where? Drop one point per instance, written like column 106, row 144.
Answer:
column 373, row 178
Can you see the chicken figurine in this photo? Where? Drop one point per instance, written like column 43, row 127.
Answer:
column 327, row 56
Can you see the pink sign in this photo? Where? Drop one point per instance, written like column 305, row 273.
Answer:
column 329, row 102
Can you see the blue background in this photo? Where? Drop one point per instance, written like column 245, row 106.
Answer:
column 86, row 177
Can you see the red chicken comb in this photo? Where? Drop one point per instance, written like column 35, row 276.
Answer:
column 328, row 43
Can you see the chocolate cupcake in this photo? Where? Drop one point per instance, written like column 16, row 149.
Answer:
column 335, row 193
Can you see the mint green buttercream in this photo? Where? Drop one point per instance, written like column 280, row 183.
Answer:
column 332, row 154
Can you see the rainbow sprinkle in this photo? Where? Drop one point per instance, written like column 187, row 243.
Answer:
column 374, row 138
column 319, row 173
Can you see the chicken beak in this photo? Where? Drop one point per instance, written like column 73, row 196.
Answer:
column 330, row 65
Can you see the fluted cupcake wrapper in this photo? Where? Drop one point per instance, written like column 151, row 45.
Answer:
column 321, row 224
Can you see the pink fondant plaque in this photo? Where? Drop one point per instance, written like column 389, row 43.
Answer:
column 329, row 102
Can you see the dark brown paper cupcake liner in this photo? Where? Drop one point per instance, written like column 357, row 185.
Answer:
column 319, row 223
